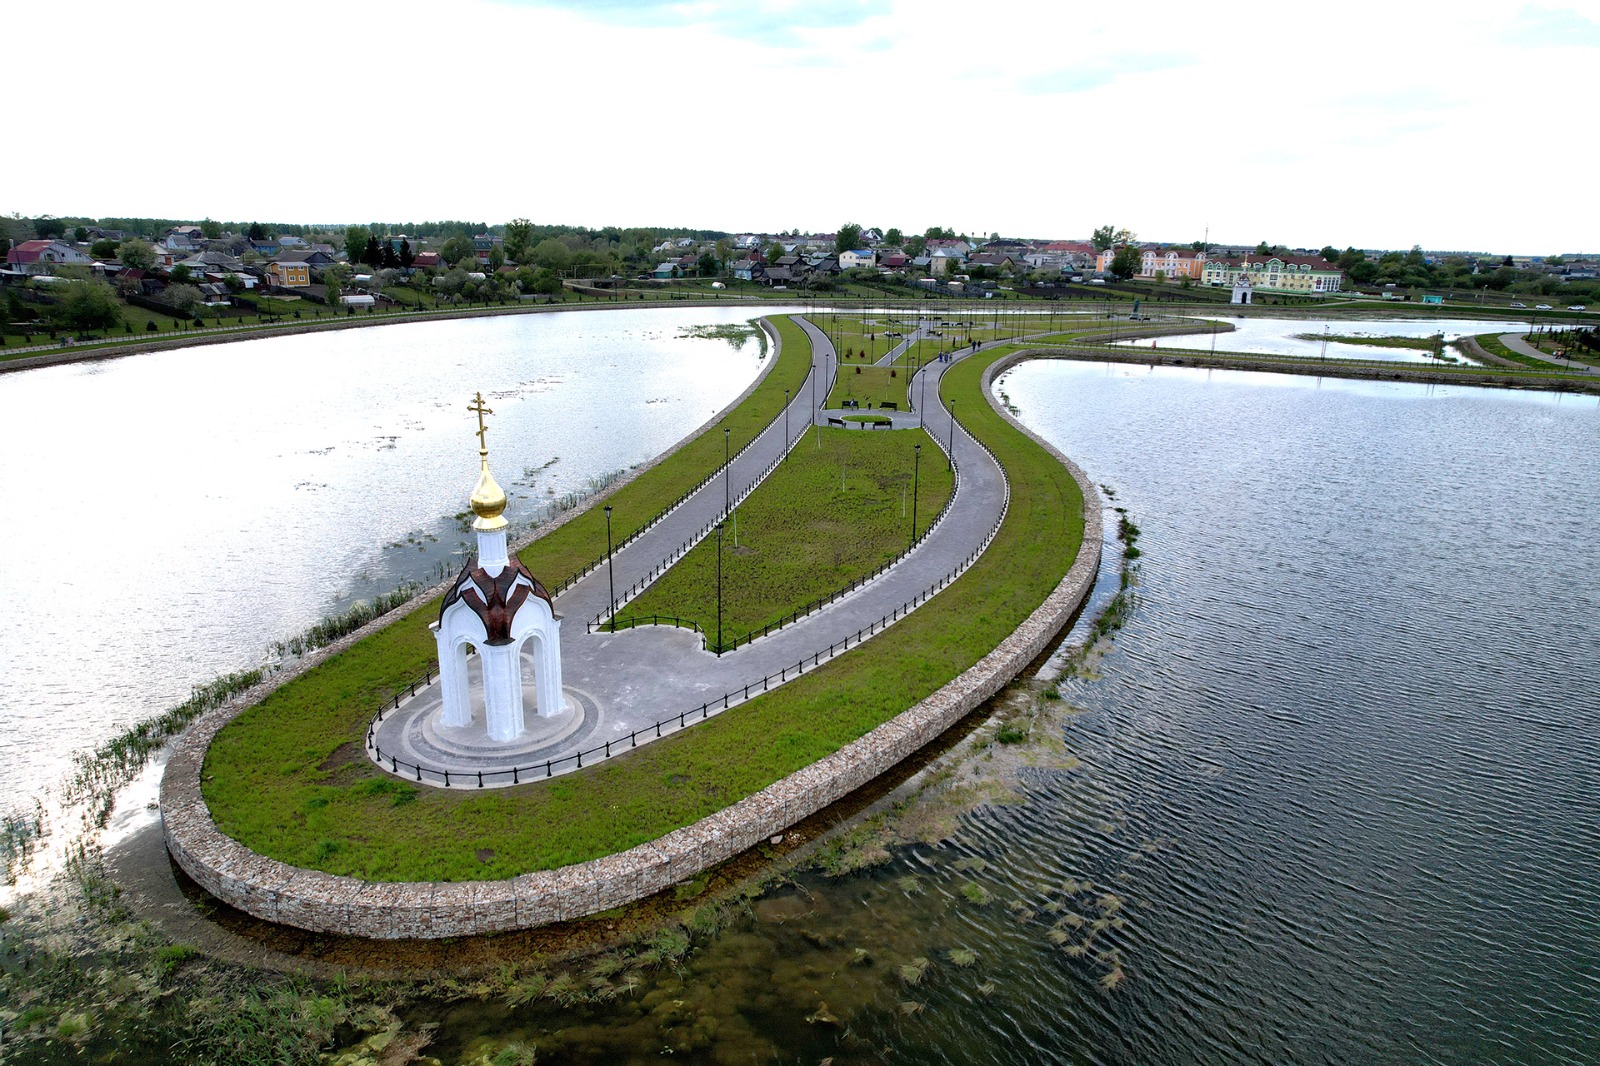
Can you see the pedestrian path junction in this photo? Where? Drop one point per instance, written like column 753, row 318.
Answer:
column 631, row 686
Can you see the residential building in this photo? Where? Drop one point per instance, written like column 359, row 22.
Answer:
column 946, row 260
column 858, row 257
column 42, row 257
column 1272, row 273
column 1173, row 263
column 289, row 274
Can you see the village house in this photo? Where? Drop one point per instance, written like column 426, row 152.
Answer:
column 41, row 257
column 858, row 257
column 289, row 274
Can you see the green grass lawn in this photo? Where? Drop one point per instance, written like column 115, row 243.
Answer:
column 826, row 517
column 288, row 777
column 1421, row 344
column 870, row 384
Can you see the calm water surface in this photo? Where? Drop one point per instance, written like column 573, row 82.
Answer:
column 167, row 516
column 1282, row 336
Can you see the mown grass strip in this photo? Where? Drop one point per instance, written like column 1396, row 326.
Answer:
column 289, row 779
column 828, row 516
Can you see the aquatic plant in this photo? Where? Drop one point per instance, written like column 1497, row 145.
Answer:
column 1010, row 733
column 976, row 893
column 331, row 628
column 914, row 971
column 910, row 1009
column 963, row 957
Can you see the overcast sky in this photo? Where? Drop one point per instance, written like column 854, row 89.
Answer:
column 1460, row 124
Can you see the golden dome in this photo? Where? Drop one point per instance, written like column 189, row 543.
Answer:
column 488, row 501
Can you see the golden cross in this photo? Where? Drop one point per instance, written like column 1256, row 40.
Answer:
column 477, row 405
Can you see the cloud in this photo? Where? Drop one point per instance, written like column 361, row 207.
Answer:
column 775, row 23
column 1088, row 76
column 1548, row 27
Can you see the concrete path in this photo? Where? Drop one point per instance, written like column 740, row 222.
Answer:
column 1515, row 342
column 623, row 684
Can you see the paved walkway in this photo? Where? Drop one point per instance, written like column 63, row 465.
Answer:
column 1515, row 342
column 622, row 683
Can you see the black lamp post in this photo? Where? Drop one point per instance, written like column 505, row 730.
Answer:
column 719, row 590
column 611, row 573
column 727, row 472
column 916, row 472
column 922, row 389
column 952, row 455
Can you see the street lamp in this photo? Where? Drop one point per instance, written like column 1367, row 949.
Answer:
column 719, row 590
column 611, row 573
column 727, row 472
column 916, row 471
column 952, row 454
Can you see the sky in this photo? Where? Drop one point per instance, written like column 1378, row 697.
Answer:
column 1457, row 124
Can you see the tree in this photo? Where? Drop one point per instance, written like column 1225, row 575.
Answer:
column 183, row 299
column 256, row 232
column 210, row 230
column 519, row 239
column 1263, row 248
column 546, row 282
column 1329, row 253
column 1125, row 263
column 497, row 257
column 552, row 254
column 104, row 248
column 49, row 228
column 355, row 242
column 80, row 234
column 180, row 273
column 1109, row 236
column 391, row 258
column 372, row 254
column 916, row 246
column 407, row 256
column 848, row 237
column 939, row 233
column 1364, row 272
column 459, row 249
column 775, row 252
column 86, row 305
column 893, row 237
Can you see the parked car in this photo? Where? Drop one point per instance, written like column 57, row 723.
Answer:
column 1516, row 304
column 1577, row 307
column 1542, row 307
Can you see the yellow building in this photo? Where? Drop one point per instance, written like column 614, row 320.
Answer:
column 1305, row 275
column 290, row 275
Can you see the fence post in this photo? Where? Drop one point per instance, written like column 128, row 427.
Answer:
column 447, row 779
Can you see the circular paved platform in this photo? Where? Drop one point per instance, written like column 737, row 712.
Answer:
column 414, row 734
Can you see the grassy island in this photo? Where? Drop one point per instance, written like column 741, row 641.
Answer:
column 288, row 777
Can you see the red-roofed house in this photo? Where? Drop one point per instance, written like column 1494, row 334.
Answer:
column 427, row 261
column 42, row 257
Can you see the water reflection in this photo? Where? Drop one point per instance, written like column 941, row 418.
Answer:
column 1283, row 336
column 186, row 508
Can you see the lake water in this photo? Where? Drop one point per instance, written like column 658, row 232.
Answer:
column 1281, row 336
column 190, row 507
